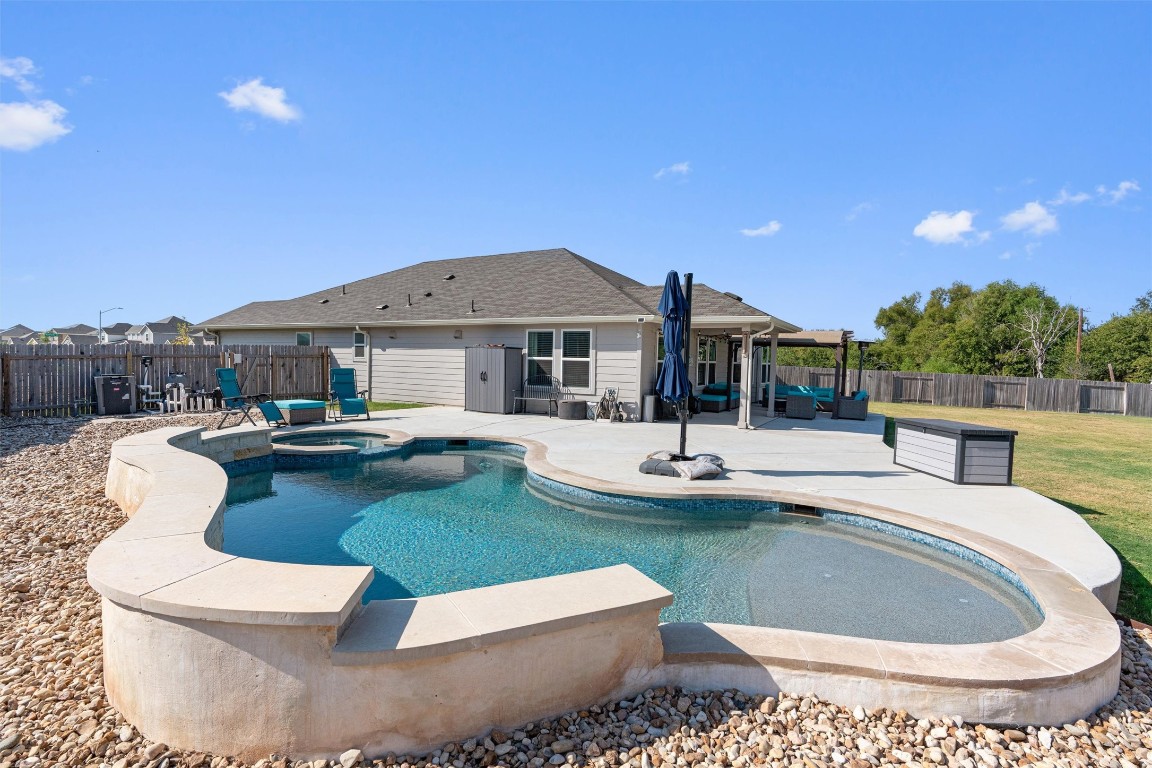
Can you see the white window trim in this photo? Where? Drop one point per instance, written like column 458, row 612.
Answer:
column 701, row 361
column 311, row 338
column 558, row 350
column 364, row 344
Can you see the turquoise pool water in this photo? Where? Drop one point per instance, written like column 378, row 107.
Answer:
column 434, row 520
column 365, row 442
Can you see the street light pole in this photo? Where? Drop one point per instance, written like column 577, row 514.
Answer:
column 100, row 327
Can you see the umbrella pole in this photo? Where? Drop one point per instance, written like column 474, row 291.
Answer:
column 687, row 360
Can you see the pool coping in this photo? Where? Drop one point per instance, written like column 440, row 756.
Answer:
column 161, row 561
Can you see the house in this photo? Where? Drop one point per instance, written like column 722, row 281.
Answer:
column 17, row 334
column 110, row 334
column 164, row 331
column 405, row 331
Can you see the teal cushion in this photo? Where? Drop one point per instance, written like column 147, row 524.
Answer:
column 299, row 405
column 861, row 395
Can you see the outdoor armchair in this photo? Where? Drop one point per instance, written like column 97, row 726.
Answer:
column 233, row 400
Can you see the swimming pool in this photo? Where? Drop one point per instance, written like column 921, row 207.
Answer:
column 436, row 518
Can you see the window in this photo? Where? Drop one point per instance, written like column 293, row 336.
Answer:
column 576, row 359
column 304, row 338
column 539, row 353
column 359, row 339
column 706, row 362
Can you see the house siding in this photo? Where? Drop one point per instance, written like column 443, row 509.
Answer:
column 426, row 364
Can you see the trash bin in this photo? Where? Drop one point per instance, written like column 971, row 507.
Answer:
column 649, row 407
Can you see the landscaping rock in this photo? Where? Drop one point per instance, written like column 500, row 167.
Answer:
column 54, row 710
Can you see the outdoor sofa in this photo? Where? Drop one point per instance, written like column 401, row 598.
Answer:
column 824, row 396
column 714, row 396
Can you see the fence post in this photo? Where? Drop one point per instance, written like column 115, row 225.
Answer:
column 324, row 372
column 271, row 373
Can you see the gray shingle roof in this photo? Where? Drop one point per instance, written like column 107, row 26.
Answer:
column 119, row 329
column 552, row 283
column 16, row 331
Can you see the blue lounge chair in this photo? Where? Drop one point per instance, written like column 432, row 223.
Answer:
column 344, row 394
column 272, row 414
column 233, row 399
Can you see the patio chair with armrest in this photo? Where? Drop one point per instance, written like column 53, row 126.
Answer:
column 344, row 397
column 233, row 400
column 855, row 407
column 543, row 388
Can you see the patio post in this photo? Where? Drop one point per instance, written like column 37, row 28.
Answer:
column 772, row 375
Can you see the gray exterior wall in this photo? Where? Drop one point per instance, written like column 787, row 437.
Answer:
column 425, row 364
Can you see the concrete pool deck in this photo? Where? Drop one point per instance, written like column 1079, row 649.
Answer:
column 289, row 652
column 838, row 459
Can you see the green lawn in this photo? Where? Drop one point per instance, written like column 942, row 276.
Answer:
column 1100, row 466
column 375, row 406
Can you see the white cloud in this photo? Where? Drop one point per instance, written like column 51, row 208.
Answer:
column 254, row 96
column 1065, row 199
column 28, row 124
column 1031, row 248
column 1006, row 255
column 676, row 169
column 857, row 210
column 1033, row 218
column 1123, row 189
column 767, row 230
column 941, row 227
column 18, row 70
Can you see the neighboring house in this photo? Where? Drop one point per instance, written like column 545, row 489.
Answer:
column 405, row 331
column 110, row 334
column 17, row 334
column 77, row 339
column 157, row 332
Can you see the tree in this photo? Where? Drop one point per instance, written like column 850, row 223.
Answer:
column 182, row 338
column 1042, row 331
column 1125, row 341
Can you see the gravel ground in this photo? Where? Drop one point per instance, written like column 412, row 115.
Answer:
column 53, row 710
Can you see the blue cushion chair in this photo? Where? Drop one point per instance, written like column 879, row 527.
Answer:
column 351, row 402
column 855, row 407
column 234, row 401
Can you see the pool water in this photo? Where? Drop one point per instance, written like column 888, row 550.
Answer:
column 366, row 443
column 439, row 520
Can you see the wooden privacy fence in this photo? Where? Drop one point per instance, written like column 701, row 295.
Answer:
column 47, row 379
column 969, row 391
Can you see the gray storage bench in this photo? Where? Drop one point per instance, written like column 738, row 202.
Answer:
column 959, row 452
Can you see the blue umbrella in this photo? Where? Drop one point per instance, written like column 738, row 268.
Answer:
column 672, row 384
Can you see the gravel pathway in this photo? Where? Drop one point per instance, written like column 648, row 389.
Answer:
column 53, row 710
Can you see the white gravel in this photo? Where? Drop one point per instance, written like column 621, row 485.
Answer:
column 53, row 710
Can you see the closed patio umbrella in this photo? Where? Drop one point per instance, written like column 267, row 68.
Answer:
column 673, row 385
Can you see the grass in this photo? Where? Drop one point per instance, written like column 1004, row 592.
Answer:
column 1099, row 466
column 375, row 406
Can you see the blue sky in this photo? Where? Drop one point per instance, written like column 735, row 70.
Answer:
column 820, row 160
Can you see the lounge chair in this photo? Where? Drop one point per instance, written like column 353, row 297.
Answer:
column 272, row 414
column 344, row 401
column 233, row 400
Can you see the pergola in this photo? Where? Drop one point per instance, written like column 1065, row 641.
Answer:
column 837, row 341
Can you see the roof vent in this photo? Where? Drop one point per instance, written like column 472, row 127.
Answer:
column 323, row 301
column 729, row 293
column 382, row 306
column 473, row 307
column 449, row 277
column 428, row 295
column 409, row 299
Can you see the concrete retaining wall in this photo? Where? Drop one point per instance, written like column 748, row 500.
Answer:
column 207, row 651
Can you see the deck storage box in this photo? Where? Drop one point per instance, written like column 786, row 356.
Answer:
column 962, row 453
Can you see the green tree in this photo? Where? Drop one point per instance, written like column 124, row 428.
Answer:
column 1125, row 341
column 182, row 338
